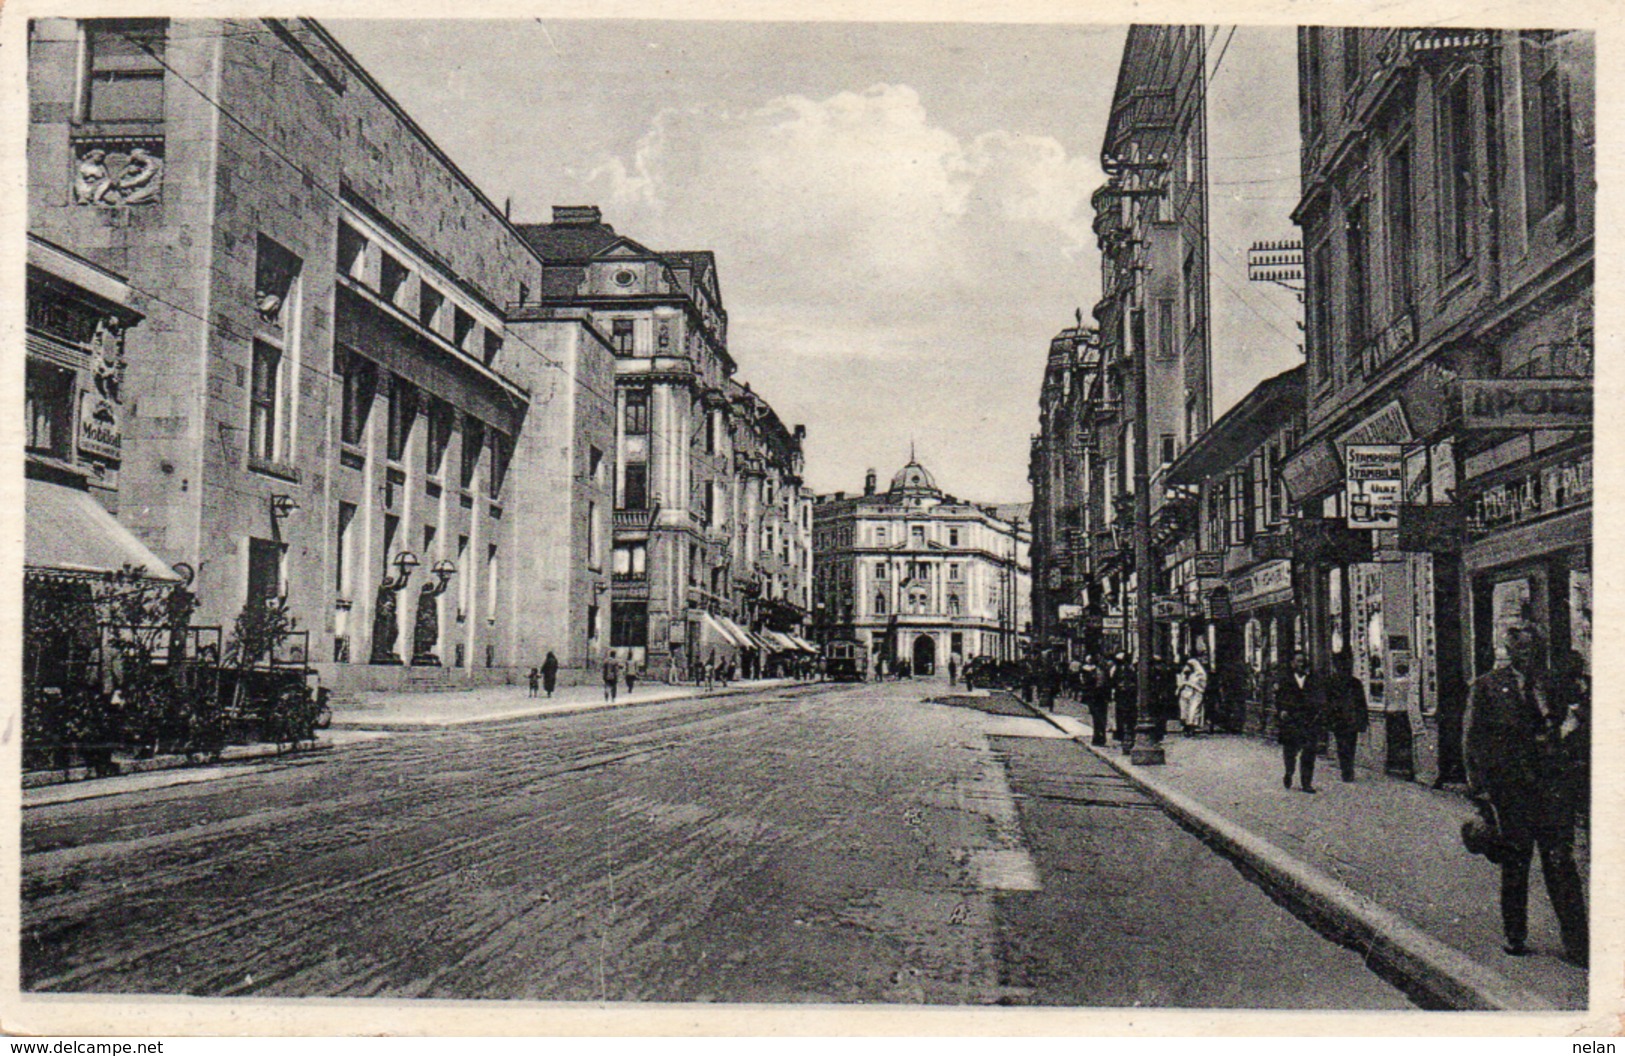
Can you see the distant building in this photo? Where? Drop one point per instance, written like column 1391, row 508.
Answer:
column 916, row 574
column 710, row 522
column 329, row 403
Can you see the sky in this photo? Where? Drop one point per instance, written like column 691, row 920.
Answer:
column 900, row 212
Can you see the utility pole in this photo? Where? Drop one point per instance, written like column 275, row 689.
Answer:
column 1150, row 751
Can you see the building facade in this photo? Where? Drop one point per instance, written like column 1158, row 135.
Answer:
column 916, row 574
column 1153, row 314
column 710, row 519
column 1444, row 478
column 1228, row 590
column 330, row 404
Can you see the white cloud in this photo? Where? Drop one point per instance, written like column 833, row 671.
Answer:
column 853, row 207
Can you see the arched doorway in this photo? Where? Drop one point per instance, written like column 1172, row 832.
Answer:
column 925, row 655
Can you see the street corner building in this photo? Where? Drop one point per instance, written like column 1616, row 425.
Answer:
column 915, row 574
column 283, row 344
column 712, row 558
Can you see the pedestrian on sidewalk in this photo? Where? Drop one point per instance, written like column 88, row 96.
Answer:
column 535, row 682
column 1346, row 710
column 1300, row 719
column 550, row 673
column 953, row 670
column 1124, row 687
column 1523, row 745
column 1193, row 694
column 612, row 676
column 631, row 675
column 1092, row 692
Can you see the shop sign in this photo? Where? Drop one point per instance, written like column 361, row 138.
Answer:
column 1386, row 426
column 1217, row 604
column 1271, row 546
column 1374, row 478
column 1167, row 608
column 1210, row 565
column 1068, row 612
column 1266, row 584
column 1311, row 470
column 100, row 404
column 1526, row 403
column 1549, row 490
column 1430, row 529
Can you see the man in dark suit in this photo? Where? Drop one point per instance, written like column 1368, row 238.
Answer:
column 1346, row 711
column 1299, row 708
column 1521, row 737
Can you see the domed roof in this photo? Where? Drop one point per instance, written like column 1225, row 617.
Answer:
column 913, row 478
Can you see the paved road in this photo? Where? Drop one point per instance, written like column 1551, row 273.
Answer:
column 823, row 845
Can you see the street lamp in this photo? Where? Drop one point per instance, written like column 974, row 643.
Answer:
column 404, row 562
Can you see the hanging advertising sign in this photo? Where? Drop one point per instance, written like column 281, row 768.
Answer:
column 1216, row 603
column 1266, row 584
column 1526, row 403
column 1374, row 478
column 1550, row 489
column 1167, row 608
column 1210, row 565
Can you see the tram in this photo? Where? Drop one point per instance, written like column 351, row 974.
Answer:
column 846, row 660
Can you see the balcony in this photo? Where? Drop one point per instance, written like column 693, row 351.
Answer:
column 635, row 520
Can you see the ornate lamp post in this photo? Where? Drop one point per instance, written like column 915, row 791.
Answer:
column 384, row 627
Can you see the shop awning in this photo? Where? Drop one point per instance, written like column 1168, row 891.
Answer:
column 68, row 531
column 781, row 643
column 713, row 634
column 761, row 641
column 740, row 636
column 804, row 645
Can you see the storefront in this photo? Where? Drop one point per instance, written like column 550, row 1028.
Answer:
column 1262, row 610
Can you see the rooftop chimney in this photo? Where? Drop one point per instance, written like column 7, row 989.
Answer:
column 577, row 215
column 869, row 483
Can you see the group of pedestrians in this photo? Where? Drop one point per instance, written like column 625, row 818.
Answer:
column 545, row 677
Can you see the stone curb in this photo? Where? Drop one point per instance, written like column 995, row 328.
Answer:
column 357, row 721
column 1438, row 975
column 236, row 754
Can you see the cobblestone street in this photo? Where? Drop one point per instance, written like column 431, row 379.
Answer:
column 829, row 844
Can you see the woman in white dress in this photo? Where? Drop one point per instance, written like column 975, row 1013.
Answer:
column 1192, row 692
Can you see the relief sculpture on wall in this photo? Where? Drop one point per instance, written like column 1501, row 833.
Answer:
column 110, row 175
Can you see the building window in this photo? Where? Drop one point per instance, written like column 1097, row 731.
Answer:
column 592, row 623
column 710, row 502
column 440, row 417
column 1165, row 329
column 493, row 576
column 462, row 328
column 493, row 347
column 1356, row 305
column 1320, row 313
column 636, row 414
column 48, row 403
column 352, row 255
column 595, row 466
column 473, row 441
column 629, row 625
column 1193, row 296
column 391, row 278
column 953, row 605
column 1456, row 177
column 1167, row 448
column 465, row 582
column 595, row 546
column 124, row 69
column 344, row 552
column 880, row 570
column 1401, row 237
column 403, row 412
column 635, row 486
column 501, row 455
column 622, row 334
column 430, row 303
column 917, row 537
column 1236, row 490
column 265, row 571
column 953, row 537
column 1309, row 40
column 880, row 603
column 953, row 572
column 263, row 405
column 631, row 560
column 1547, row 134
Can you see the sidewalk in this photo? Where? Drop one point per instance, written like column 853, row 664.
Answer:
column 1378, row 862
column 417, row 711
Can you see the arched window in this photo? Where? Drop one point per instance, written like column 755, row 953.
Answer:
column 880, row 603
